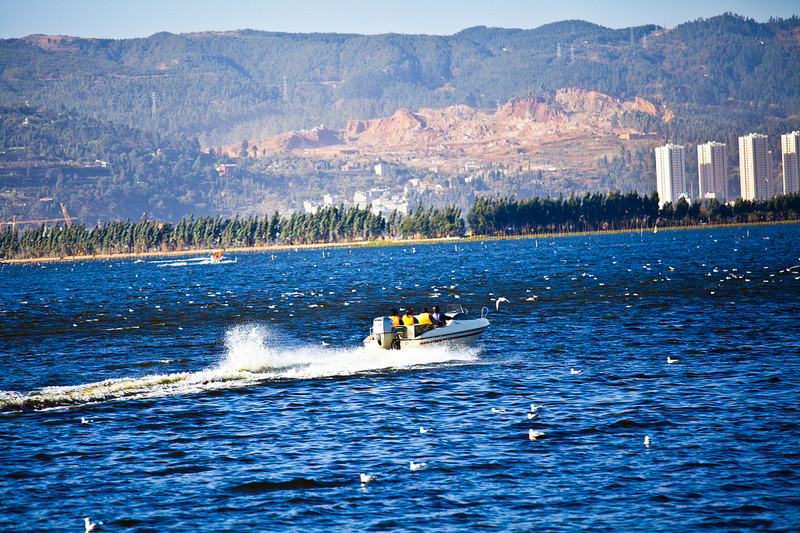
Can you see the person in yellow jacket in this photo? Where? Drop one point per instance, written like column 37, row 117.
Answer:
column 394, row 316
column 408, row 317
column 425, row 317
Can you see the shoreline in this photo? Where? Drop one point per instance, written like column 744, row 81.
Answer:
column 383, row 242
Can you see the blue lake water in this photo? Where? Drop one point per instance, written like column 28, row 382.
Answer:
column 238, row 396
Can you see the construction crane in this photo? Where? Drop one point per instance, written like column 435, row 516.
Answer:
column 67, row 221
column 66, row 218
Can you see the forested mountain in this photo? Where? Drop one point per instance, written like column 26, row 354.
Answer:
column 105, row 171
column 117, row 128
column 226, row 86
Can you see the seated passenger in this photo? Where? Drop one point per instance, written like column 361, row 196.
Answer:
column 408, row 317
column 394, row 316
column 438, row 317
column 425, row 317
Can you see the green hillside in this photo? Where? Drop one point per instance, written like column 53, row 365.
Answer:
column 223, row 87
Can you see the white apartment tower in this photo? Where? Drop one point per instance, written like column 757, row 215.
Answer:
column 712, row 169
column 670, row 173
column 754, row 167
column 790, row 150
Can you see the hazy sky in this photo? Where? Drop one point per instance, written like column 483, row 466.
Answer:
column 141, row 18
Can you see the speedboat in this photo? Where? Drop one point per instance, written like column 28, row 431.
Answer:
column 460, row 328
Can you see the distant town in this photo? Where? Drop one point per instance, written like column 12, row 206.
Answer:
column 755, row 169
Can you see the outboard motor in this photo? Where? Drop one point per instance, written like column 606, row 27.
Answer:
column 383, row 329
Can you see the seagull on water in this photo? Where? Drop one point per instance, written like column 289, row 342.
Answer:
column 85, row 420
column 647, row 440
column 366, row 478
column 573, row 371
column 533, row 435
column 424, row 430
column 497, row 302
column 670, row 360
column 416, row 466
column 91, row 526
column 496, row 410
column 533, row 415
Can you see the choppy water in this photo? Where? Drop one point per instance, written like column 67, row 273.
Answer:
column 236, row 396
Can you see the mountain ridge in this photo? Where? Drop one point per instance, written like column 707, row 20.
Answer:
column 227, row 86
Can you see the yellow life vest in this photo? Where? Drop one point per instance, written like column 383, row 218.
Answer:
column 425, row 318
column 395, row 320
column 408, row 320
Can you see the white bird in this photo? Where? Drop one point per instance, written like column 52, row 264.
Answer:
column 535, row 407
column 533, row 435
column 671, row 360
column 417, row 466
column 423, row 430
column 366, row 478
column 497, row 302
column 85, row 420
column 532, row 415
column 573, row 371
column 495, row 410
column 647, row 440
column 91, row 526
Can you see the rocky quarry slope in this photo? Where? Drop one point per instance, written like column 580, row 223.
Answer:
column 567, row 129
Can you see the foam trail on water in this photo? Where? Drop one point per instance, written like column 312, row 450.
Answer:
column 253, row 354
column 255, row 349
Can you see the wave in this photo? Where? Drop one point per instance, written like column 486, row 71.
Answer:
column 253, row 354
column 292, row 484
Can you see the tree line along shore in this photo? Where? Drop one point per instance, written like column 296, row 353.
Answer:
column 332, row 225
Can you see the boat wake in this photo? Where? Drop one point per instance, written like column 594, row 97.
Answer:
column 253, row 354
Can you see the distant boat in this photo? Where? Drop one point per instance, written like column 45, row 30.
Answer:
column 217, row 256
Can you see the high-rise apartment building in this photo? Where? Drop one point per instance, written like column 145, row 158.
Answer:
column 712, row 169
column 670, row 173
column 790, row 150
column 754, row 167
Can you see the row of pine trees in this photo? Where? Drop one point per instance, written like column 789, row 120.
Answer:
column 487, row 217
column 329, row 225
